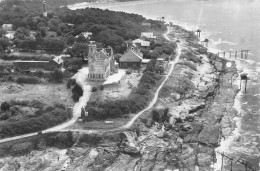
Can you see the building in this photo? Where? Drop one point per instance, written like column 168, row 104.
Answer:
column 148, row 35
column 44, row 5
column 87, row 35
column 101, row 62
column 51, row 65
column 132, row 58
column 141, row 43
column 7, row 27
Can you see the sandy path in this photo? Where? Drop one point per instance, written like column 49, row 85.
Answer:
column 80, row 77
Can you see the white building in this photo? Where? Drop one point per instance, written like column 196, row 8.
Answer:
column 141, row 43
column 148, row 35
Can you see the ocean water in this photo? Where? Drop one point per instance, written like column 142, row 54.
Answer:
column 229, row 25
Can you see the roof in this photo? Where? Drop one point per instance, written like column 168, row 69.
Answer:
column 131, row 56
column 145, row 61
column 142, row 42
column 31, row 61
column 9, row 36
column 148, row 35
column 7, row 25
column 58, row 60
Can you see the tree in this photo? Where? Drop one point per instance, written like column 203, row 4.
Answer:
column 2, row 32
column 5, row 106
column 79, row 50
column 4, row 43
column 159, row 69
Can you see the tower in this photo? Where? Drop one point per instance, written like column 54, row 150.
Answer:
column 44, row 8
column 92, row 51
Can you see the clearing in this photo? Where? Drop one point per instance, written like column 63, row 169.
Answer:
column 45, row 93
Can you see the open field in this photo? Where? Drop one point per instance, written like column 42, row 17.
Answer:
column 45, row 93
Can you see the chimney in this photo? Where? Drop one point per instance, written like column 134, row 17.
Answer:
column 44, row 8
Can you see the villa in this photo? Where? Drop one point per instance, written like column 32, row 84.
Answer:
column 101, row 62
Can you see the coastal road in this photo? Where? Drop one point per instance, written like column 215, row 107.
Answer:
column 80, row 77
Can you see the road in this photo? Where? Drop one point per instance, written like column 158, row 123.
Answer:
column 80, row 77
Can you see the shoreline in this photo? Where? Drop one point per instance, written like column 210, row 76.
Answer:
column 84, row 5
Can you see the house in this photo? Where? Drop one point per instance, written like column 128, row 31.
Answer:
column 148, row 35
column 7, row 27
column 132, row 58
column 141, row 43
column 147, row 24
column 9, row 36
column 85, row 34
column 51, row 65
column 101, row 62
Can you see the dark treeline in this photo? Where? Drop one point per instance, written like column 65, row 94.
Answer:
column 109, row 28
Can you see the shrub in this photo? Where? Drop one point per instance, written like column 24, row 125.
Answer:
column 101, row 87
column 77, row 93
column 71, row 82
column 59, row 105
column 28, row 80
column 188, row 64
column 190, row 57
column 128, row 72
column 5, row 106
column 57, row 76
column 42, row 122
column 94, row 89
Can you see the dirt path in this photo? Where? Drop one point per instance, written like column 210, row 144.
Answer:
column 80, row 77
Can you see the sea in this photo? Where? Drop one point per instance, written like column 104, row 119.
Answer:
column 229, row 25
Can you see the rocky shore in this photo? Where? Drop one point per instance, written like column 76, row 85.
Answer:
column 193, row 113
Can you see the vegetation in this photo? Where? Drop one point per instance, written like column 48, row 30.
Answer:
column 138, row 100
column 189, row 64
column 28, row 80
column 77, row 92
column 189, row 56
column 47, row 120
column 21, row 117
column 59, row 29
column 57, row 76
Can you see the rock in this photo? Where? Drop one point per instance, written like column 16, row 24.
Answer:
column 121, row 163
column 128, row 143
column 202, row 50
column 186, row 127
column 210, row 135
